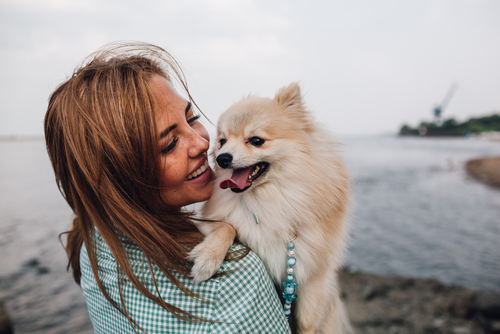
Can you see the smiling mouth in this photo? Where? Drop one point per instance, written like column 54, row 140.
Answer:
column 197, row 172
column 242, row 178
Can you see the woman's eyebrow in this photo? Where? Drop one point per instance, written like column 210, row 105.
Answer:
column 165, row 132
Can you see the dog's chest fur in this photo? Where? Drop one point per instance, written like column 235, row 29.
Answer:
column 277, row 225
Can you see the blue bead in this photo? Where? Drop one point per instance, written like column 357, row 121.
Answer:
column 290, row 290
column 290, row 277
column 291, row 261
column 287, row 312
column 290, row 245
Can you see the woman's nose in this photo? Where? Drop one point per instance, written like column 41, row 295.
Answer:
column 199, row 143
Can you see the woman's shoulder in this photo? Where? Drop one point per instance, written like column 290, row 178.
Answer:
column 240, row 257
column 242, row 266
column 246, row 271
column 247, row 301
column 240, row 299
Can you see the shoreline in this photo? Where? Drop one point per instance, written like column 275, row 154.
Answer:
column 486, row 170
column 378, row 304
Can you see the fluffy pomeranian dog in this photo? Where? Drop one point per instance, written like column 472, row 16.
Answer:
column 279, row 177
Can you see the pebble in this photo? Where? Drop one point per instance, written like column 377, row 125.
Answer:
column 371, row 292
column 439, row 322
column 487, row 303
column 461, row 330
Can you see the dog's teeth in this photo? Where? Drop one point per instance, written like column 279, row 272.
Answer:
column 257, row 168
column 255, row 171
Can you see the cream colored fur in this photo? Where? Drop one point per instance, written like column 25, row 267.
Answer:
column 303, row 192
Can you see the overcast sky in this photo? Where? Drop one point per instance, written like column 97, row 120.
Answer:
column 366, row 67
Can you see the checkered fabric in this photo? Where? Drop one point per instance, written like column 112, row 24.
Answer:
column 244, row 301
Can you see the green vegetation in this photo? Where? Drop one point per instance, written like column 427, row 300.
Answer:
column 450, row 127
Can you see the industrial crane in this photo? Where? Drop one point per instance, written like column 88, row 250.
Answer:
column 438, row 110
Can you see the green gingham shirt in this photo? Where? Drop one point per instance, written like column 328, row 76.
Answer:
column 243, row 301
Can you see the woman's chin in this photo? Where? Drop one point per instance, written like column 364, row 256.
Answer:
column 202, row 186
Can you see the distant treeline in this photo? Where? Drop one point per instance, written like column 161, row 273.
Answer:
column 450, row 127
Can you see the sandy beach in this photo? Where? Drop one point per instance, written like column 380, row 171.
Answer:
column 486, row 170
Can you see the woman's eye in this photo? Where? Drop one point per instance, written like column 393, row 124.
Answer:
column 256, row 141
column 222, row 142
column 170, row 146
column 193, row 119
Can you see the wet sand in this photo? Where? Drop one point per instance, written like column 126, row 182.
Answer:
column 486, row 170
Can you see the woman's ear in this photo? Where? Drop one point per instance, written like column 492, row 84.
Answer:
column 289, row 96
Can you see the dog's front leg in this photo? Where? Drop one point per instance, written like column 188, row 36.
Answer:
column 210, row 253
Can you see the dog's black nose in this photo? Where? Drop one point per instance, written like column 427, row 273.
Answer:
column 224, row 160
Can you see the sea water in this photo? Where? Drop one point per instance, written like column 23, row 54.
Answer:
column 415, row 212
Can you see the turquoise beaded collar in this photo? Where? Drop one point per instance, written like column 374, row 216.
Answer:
column 290, row 285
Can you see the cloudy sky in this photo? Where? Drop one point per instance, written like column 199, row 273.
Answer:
column 366, row 67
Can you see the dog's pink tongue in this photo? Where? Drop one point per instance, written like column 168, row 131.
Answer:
column 239, row 179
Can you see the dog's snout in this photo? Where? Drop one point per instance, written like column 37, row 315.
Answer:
column 224, row 160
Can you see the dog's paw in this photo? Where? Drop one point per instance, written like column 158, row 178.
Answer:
column 207, row 261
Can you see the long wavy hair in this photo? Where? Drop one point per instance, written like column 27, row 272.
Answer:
column 101, row 136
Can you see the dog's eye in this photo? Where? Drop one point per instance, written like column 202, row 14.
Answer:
column 222, row 142
column 256, row 141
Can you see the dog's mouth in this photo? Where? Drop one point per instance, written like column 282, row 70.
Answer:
column 242, row 178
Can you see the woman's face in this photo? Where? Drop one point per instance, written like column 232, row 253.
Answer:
column 186, row 177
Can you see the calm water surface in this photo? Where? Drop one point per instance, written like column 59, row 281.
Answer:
column 415, row 213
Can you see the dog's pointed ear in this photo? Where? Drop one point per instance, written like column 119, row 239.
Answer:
column 289, row 96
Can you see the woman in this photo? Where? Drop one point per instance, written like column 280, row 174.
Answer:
column 129, row 153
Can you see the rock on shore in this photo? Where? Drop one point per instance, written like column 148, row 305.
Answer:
column 486, row 170
column 390, row 305
column 5, row 323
